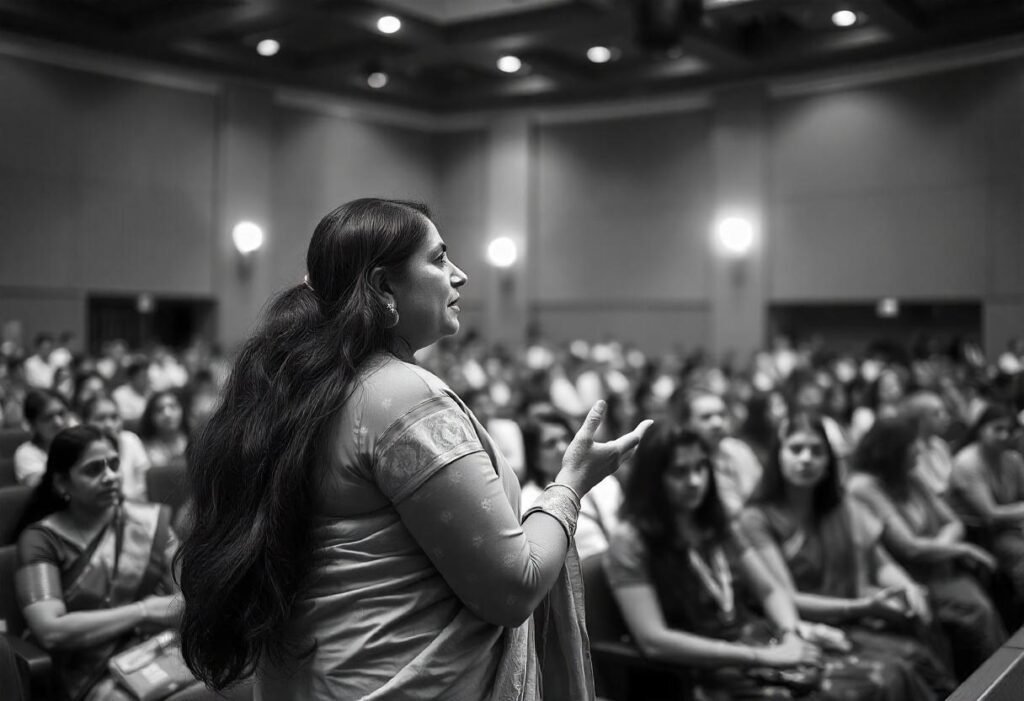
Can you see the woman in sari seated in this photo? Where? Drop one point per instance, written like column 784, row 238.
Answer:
column 688, row 582
column 926, row 537
column 94, row 574
column 824, row 549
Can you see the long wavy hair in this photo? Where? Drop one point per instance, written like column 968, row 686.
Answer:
column 252, row 469
column 646, row 504
column 884, row 452
column 65, row 450
column 828, row 493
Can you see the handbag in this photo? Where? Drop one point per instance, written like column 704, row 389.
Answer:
column 152, row 670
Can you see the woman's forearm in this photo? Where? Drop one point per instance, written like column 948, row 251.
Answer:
column 80, row 629
column 828, row 609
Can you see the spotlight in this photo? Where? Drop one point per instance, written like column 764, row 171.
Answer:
column 268, row 47
column 509, row 64
column 599, row 54
column 377, row 80
column 389, row 24
column 735, row 235
column 844, row 18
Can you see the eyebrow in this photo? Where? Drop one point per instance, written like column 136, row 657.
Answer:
column 439, row 248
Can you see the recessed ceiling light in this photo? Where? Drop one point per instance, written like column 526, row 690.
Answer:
column 844, row 18
column 268, row 47
column 509, row 64
column 389, row 24
column 377, row 80
column 599, row 54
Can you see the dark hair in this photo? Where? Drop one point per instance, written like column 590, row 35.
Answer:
column 994, row 411
column 135, row 367
column 42, row 338
column 35, row 404
column 147, row 424
column 883, row 452
column 252, row 469
column 532, row 428
column 646, row 505
column 80, row 381
column 828, row 493
column 65, row 450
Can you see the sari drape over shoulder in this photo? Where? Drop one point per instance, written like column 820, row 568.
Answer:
column 385, row 622
column 126, row 562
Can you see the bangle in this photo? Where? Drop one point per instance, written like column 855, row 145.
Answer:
column 561, row 507
column 572, row 491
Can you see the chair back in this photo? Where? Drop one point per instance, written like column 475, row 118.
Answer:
column 604, row 619
column 10, row 439
column 167, row 485
column 7, row 476
column 10, row 612
column 13, row 501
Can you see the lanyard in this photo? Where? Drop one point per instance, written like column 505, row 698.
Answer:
column 717, row 583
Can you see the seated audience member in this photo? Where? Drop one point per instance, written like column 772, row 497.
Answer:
column 987, row 489
column 131, row 397
column 546, row 435
column 687, row 583
column 928, row 414
column 64, row 383
column 737, row 469
column 764, row 411
column 163, row 430
column 94, row 575
column 101, row 412
column 883, row 398
column 46, row 414
column 925, row 536
column 89, row 384
column 38, row 370
column 823, row 548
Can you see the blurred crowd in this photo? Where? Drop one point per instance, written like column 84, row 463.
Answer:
column 927, row 441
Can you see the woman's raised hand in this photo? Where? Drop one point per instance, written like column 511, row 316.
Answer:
column 587, row 462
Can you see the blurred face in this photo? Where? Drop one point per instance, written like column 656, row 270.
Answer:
column 90, row 387
column 106, row 417
column 934, row 417
column 167, row 414
column 94, row 481
column 686, row 478
column 777, row 409
column 426, row 293
column 554, row 439
column 803, row 458
column 998, row 435
column 810, row 398
column 52, row 421
column 707, row 418
column 890, row 387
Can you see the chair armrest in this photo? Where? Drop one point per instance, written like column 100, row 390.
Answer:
column 35, row 658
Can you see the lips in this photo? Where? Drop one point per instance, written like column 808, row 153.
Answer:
column 454, row 302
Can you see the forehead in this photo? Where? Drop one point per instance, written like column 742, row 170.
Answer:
column 803, row 436
column 97, row 450
column 707, row 404
column 432, row 238
column 687, row 455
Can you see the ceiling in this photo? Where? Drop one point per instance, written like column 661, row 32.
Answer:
column 444, row 56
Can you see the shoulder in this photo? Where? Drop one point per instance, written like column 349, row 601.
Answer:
column 28, row 451
column 626, row 559
column 390, row 373
column 860, row 483
column 754, row 521
column 967, row 458
column 37, row 543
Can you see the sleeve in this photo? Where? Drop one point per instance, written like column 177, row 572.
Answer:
column 755, row 526
column 430, row 435
column 29, row 466
column 626, row 560
column 37, row 577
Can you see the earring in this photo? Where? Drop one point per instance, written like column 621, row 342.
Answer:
column 393, row 312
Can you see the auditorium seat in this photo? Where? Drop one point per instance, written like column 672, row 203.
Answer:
column 166, row 485
column 621, row 671
column 13, row 501
column 10, row 439
column 7, row 478
column 12, row 625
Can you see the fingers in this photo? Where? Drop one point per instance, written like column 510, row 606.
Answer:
column 593, row 420
column 629, row 441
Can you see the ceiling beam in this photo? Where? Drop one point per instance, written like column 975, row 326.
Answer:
column 170, row 24
column 899, row 17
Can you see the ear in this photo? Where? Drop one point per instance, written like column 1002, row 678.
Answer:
column 379, row 283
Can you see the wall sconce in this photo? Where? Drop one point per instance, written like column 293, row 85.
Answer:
column 735, row 236
column 248, row 238
column 502, row 252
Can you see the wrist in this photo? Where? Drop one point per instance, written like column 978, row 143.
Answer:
column 573, row 480
column 143, row 611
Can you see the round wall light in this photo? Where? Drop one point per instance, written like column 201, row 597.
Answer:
column 248, row 237
column 502, row 252
column 735, row 235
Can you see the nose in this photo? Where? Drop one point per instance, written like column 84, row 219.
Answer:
column 459, row 278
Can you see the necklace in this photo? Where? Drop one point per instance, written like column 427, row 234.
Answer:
column 717, row 581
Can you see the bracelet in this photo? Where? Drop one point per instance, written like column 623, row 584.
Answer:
column 559, row 506
column 572, row 491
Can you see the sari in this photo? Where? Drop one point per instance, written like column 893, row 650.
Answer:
column 385, row 623
column 835, row 560
column 128, row 560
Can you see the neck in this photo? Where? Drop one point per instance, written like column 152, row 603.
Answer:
column 686, row 527
column 800, row 502
column 401, row 349
column 990, row 454
column 85, row 518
